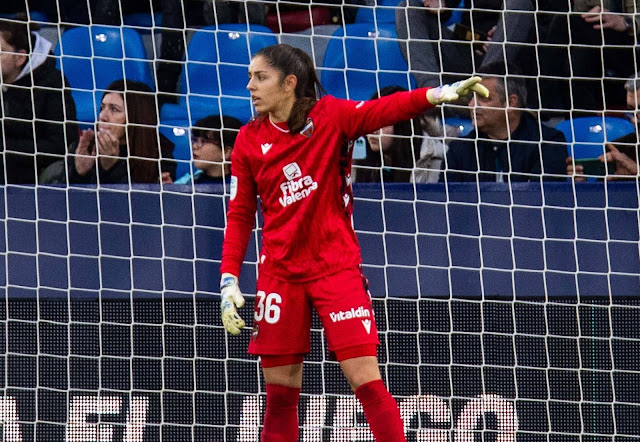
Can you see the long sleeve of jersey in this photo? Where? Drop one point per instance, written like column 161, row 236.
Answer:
column 241, row 212
column 368, row 116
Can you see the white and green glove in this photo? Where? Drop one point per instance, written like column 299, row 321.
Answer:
column 231, row 301
column 453, row 92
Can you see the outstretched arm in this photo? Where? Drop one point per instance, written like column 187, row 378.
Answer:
column 360, row 118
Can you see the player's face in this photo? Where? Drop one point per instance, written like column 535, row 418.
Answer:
column 266, row 87
column 11, row 62
column 488, row 113
column 207, row 155
column 381, row 140
column 113, row 115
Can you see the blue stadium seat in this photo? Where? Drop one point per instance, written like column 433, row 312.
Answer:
column 465, row 125
column 93, row 57
column 385, row 12
column 214, row 77
column 591, row 133
column 373, row 60
column 181, row 139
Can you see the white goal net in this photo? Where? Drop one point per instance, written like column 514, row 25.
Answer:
column 507, row 297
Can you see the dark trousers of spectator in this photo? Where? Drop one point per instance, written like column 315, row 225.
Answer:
column 436, row 55
column 235, row 12
column 590, row 66
column 172, row 45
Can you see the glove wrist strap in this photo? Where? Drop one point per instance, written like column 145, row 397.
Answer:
column 227, row 281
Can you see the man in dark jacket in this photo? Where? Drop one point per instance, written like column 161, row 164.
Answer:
column 35, row 105
column 484, row 35
column 507, row 144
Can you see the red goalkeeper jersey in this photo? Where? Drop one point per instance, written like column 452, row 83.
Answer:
column 304, row 184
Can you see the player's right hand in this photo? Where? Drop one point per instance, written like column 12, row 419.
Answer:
column 231, row 301
column 448, row 93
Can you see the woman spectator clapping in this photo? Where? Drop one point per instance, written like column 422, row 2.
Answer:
column 125, row 147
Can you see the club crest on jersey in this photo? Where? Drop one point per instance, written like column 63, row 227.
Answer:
column 308, row 128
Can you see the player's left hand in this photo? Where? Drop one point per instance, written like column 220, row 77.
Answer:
column 232, row 299
column 448, row 93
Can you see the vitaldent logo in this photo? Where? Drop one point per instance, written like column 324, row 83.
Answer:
column 360, row 312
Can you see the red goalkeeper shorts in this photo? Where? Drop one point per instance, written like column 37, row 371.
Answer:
column 282, row 314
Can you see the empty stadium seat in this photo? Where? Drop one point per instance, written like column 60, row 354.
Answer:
column 313, row 40
column 464, row 125
column 383, row 12
column 588, row 135
column 214, row 77
column 93, row 57
column 372, row 60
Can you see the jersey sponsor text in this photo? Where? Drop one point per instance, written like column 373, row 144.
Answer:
column 296, row 190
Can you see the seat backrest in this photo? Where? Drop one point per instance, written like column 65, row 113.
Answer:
column 93, row 57
column 588, row 135
column 368, row 58
column 463, row 125
column 218, row 58
column 313, row 41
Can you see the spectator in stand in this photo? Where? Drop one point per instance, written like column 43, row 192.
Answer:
column 632, row 89
column 212, row 141
column 620, row 160
column 392, row 152
column 507, row 143
column 35, row 104
column 433, row 149
column 622, row 154
column 125, row 147
column 435, row 50
column 601, row 36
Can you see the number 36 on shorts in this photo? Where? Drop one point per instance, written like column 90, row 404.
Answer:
column 267, row 307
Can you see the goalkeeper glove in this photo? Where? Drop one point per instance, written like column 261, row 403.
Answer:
column 452, row 92
column 232, row 299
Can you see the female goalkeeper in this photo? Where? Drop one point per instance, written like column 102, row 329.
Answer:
column 296, row 156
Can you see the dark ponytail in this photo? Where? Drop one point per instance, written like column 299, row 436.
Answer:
column 293, row 61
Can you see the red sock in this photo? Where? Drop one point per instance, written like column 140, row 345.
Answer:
column 381, row 411
column 281, row 416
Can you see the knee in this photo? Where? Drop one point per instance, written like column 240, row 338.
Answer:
column 360, row 371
